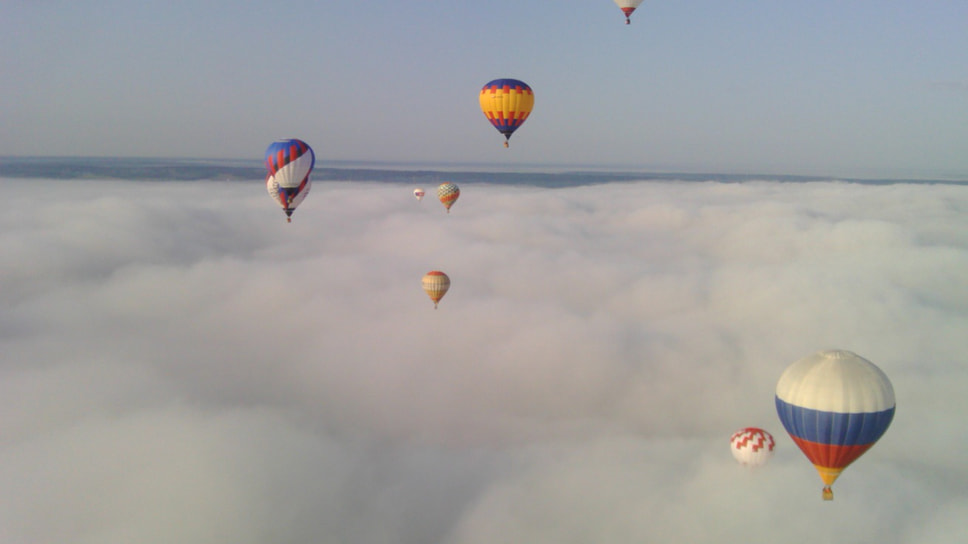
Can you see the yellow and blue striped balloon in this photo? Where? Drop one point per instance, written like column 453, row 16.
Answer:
column 507, row 103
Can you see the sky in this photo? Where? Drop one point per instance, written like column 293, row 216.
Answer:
column 179, row 364
column 858, row 89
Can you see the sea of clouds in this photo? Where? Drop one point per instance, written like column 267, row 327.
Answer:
column 179, row 364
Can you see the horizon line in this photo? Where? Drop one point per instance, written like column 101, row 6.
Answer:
column 485, row 167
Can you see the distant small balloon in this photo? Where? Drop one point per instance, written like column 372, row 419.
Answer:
column 418, row 193
column 435, row 284
column 448, row 194
column 752, row 446
column 627, row 7
column 289, row 163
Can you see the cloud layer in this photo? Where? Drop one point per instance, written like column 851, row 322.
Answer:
column 179, row 364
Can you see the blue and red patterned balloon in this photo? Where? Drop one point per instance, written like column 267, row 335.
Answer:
column 289, row 163
column 835, row 405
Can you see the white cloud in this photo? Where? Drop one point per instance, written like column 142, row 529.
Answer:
column 179, row 364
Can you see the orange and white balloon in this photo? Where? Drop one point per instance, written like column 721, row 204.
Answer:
column 435, row 284
column 627, row 7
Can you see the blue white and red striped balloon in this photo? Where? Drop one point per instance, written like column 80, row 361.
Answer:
column 752, row 446
column 289, row 163
column 835, row 405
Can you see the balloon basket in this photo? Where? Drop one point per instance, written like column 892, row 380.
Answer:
column 828, row 494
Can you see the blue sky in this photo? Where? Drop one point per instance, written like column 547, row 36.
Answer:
column 858, row 88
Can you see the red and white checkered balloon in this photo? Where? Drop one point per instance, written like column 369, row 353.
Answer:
column 752, row 446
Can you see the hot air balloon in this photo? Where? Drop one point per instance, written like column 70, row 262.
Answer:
column 436, row 284
column 506, row 103
column 418, row 193
column 752, row 446
column 835, row 405
column 448, row 194
column 628, row 6
column 289, row 163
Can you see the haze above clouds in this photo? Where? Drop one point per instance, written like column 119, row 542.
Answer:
column 179, row 364
column 830, row 88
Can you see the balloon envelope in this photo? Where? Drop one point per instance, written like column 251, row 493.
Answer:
column 435, row 284
column 289, row 163
column 448, row 194
column 752, row 446
column 627, row 7
column 835, row 405
column 418, row 193
column 506, row 103
column 289, row 200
